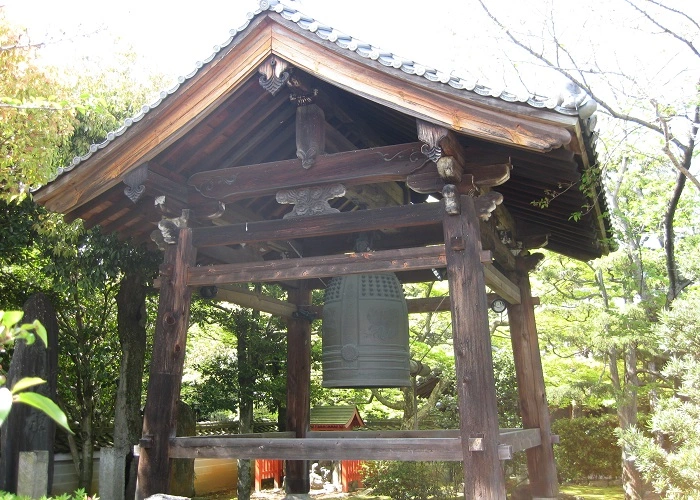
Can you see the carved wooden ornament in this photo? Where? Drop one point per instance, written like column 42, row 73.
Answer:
column 311, row 200
column 136, row 182
column 431, row 135
column 273, row 74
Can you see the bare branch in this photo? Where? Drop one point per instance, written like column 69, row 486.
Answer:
column 675, row 11
column 569, row 76
column 581, row 82
column 664, row 28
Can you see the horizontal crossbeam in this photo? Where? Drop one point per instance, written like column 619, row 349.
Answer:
column 442, row 445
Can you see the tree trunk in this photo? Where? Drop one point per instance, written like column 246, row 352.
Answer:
column 246, row 381
column 627, row 411
column 86, row 451
column 131, row 326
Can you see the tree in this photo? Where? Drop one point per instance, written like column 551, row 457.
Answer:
column 650, row 130
column 35, row 121
column 668, row 454
column 242, row 372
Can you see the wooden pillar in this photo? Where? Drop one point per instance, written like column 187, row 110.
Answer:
column 541, row 467
column 483, row 473
column 160, row 413
column 298, row 387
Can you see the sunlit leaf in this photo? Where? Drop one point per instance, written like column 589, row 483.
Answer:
column 40, row 331
column 26, row 383
column 5, row 403
column 45, row 405
column 11, row 318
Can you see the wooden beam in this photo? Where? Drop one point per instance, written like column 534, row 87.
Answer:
column 256, row 301
column 298, row 388
column 438, row 304
column 483, row 477
column 542, row 470
column 491, row 241
column 501, row 285
column 320, row 225
column 160, row 415
column 320, row 267
column 329, row 445
column 310, row 132
column 369, row 166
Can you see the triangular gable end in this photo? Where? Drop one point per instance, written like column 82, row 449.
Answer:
column 549, row 148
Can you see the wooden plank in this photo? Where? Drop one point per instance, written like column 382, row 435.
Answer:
column 167, row 361
column 416, row 449
column 483, row 476
column 358, row 445
column 521, row 439
column 320, row 267
column 541, row 466
column 320, row 225
column 501, row 285
column 368, row 166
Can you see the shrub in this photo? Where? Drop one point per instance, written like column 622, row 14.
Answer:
column 587, row 449
column 76, row 495
column 413, row 480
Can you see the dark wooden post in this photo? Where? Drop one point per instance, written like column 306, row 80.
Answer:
column 298, row 387
column 483, row 473
column 160, row 414
column 541, row 467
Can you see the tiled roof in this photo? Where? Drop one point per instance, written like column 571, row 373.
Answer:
column 334, row 415
column 572, row 102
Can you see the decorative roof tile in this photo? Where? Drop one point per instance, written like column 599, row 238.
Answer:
column 574, row 103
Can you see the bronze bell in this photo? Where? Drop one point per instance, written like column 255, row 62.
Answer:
column 365, row 332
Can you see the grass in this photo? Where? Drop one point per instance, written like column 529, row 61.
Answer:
column 584, row 492
column 594, row 492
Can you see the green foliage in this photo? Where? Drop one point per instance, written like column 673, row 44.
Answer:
column 506, row 389
column 587, row 448
column 668, row 453
column 76, row 495
column 214, row 366
column 34, row 121
column 413, row 480
column 215, row 391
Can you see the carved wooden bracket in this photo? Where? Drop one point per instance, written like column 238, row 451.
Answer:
column 301, row 91
column 431, row 135
column 211, row 186
column 311, row 200
column 136, row 182
column 451, row 197
column 169, row 229
column 273, row 74
column 487, row 203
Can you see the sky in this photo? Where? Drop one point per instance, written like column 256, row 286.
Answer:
column 170, row 39
column 452, row 35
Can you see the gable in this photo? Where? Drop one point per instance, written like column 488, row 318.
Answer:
column 220, row 117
